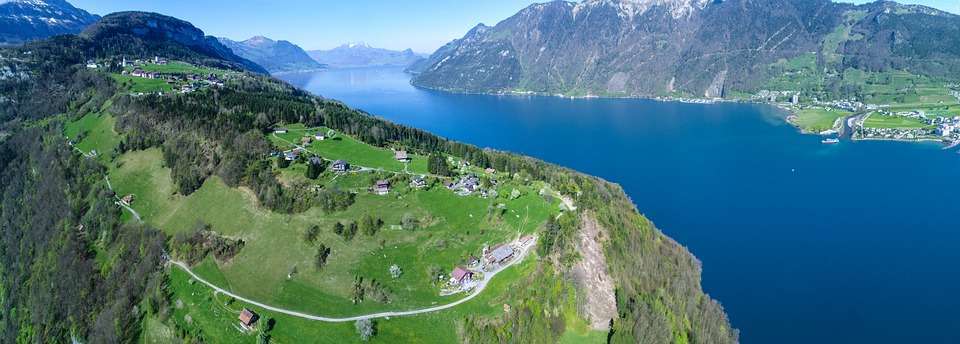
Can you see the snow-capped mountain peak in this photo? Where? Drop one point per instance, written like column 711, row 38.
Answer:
column 633, row 8
column 26, row 20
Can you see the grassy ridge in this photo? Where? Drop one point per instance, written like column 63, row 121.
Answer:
column 454, row 227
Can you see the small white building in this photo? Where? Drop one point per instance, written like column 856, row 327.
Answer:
column 946, row 129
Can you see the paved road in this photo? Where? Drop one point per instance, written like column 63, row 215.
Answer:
column 483, row 284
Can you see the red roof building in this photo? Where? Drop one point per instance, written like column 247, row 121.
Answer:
column 459, row 275
column 248, row 318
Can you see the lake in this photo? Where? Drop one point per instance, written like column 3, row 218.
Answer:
column 801, row 242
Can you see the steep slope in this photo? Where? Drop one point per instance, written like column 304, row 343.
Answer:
column 362, row 55
column 218, row 134
column 26, row 20
column 145, row 34
column 275, row 56
column 695, row 47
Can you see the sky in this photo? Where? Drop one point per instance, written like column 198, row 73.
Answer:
column 422, row 25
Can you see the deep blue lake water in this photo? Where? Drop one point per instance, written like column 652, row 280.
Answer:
column 801, row 242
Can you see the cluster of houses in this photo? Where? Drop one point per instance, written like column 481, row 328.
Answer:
column 462, row 278
column 775, row 96
column 466, row 185
column 940, row 128
column 187, row 82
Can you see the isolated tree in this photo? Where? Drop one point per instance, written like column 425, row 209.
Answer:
column 366, row 329
column 321, row 258
column 314, row 169
column 338, row 228
column 369, row 226
column 350, row 231
column 311, row 234
column 282, row 162
column 409, row 221
column 395, row 271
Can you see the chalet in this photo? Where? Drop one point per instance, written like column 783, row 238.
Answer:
column 401, row 156
column 139, row 73
column 291, row 155
column 489, row 170
column 340, row 166
column 382, row 187
column 92, row 64
column 186, row 89
column 248, row 318
column 418, row 182
column 280, row 130
column 315, row 160
column 306, row 140
column 159, row 61
column 460, row 276
column 128, row 199
column 320, row 137
column 499, row 254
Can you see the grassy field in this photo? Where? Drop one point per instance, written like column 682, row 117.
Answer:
column 344, row 147
column 454, row 227
column 97, row 134
column 881, row 121
column 451, row 228
column 818, row 119
column 177, row 67
column 216, row 316
column 138, row 84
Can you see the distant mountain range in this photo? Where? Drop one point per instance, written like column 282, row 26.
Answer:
column 699, row 48
column 145, row 34
column 26, row 20
column 275, row 56
column 362, row 55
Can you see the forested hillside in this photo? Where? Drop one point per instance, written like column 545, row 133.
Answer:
column 692, row 48
column 76, row 267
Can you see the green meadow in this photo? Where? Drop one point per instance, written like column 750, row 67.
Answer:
column 178, row 67
column 452, row 228
column 344, row 147
column 216, row 316
column 137, row 84
column 883, row 121
column 96, row 133
column 818, row 119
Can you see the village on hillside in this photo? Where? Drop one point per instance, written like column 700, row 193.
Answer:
column 468, row 181
column 159, row 75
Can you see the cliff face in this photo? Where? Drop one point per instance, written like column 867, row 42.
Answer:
column 145, row 34
column 656, row 47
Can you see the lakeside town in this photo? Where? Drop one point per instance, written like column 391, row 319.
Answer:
column 863, row 121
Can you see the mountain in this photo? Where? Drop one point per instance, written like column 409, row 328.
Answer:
column 275, row 56
column 200, row 166
column 362, row 55
column 703, row 48
column 26, row 20
column 145, row 34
